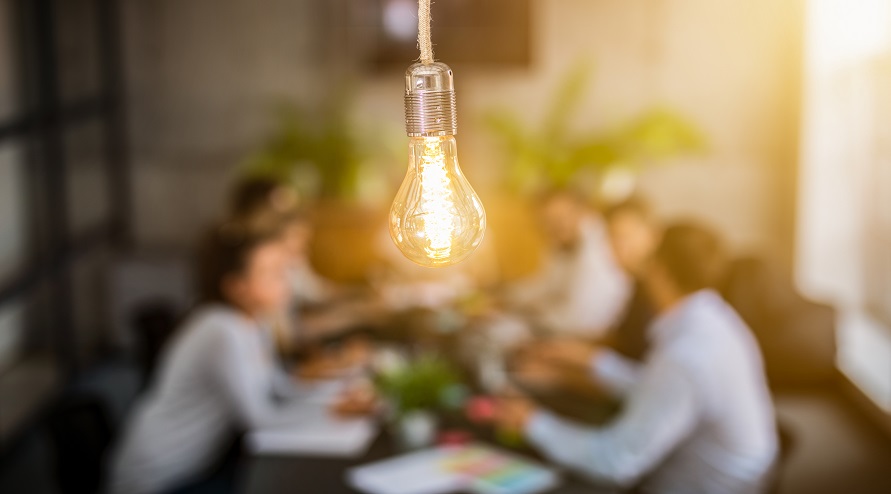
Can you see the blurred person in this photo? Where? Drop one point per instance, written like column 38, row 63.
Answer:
column 580, row 290
column 258, row 195
column 218, row 375
column 307, row 286
column 318, row 307
column 634, row 234
column 698, row 416
column 257, row 199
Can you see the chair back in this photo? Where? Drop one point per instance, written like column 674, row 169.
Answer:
column 796, row 336
column 81, row 433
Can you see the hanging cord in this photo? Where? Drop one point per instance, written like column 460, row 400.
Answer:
column 424, row 42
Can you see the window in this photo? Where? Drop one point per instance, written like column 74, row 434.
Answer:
column 63, row 188
column 844, row 238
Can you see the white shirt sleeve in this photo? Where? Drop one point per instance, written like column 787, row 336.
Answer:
column 585, row 293
column 661, row 412
column 615, row 372
column 536, row 289
column 248, row 383
column 308, row 286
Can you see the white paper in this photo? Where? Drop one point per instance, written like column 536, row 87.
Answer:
column 417, row 473
column 425, row 472
column 321, row 434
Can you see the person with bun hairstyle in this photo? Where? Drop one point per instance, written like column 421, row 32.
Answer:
column 218, row 375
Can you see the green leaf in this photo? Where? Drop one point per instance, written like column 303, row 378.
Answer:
column 424, row 384
column 556, row 154
column 660, row 133
column 320, row 139
column 566, row 101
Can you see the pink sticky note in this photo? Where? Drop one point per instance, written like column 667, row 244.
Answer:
column 480, row 409
column 454, row 438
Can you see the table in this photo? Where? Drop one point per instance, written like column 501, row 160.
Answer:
column 297, row 475
column 316, row 475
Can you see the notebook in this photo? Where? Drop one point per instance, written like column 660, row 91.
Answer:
column 321, row 434
column 472, row 468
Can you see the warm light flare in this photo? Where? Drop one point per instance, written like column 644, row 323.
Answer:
column 436, row 218
column 437, row 203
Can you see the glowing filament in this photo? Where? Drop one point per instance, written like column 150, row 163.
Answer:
column 437, row 203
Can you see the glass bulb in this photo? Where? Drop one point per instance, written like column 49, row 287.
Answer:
column 436, row 218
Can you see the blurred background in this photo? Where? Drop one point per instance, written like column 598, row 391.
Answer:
column 124, row 123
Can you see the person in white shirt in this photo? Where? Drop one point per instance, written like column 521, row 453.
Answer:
column 218, row 375
column 698, row 416
column 580, row 289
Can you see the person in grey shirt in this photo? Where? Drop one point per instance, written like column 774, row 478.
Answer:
column 219, row 374
column 698, row 416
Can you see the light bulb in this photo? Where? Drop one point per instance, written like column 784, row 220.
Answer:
column 436, row 218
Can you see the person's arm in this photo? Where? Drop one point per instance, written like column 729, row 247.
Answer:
column 591, row 306
column 311, row 288
column 660, row 414
column 608, row 369
column 534, row 290
column 616, row 373
column 561, row 317
column 248, row 385
column 286, row 387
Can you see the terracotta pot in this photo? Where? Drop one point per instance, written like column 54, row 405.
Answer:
column 343, row 247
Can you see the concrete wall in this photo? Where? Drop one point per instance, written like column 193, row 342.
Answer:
column 203, row 73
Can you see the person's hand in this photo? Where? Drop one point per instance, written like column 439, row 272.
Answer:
column 322, row 366
column 336, row 362
column 316, row 367
column 356, row 352
column 531, row 371
column 513, row 413
column 571, row 353
column 356, row 401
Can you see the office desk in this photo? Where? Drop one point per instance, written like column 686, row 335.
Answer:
column 304, row 475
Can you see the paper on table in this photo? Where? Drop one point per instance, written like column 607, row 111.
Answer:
column 321, row 434
column 473, row 468
column 416, row 473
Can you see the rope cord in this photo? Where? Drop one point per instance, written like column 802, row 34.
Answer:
column 424, row 42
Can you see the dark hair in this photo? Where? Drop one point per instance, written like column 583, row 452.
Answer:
column 693, row 256
column 633, row 205
column 225, row 251
column 255, row 195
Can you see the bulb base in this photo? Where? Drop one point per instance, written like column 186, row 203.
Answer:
column 430, row 108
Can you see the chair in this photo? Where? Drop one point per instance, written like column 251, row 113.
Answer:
column 80, row 431
column 154, row 323
column 223, row 476
column 796, row 336
column 787, row 446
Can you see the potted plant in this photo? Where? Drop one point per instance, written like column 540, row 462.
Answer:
column 323, row 151
column 602, row 162
column 556, row 155
column 343, row 168
column 416, row 391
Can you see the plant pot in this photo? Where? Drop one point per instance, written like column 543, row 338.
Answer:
column 343, row 247
column 415, row 430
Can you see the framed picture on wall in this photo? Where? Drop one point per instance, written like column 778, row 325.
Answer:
column 493, row 33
